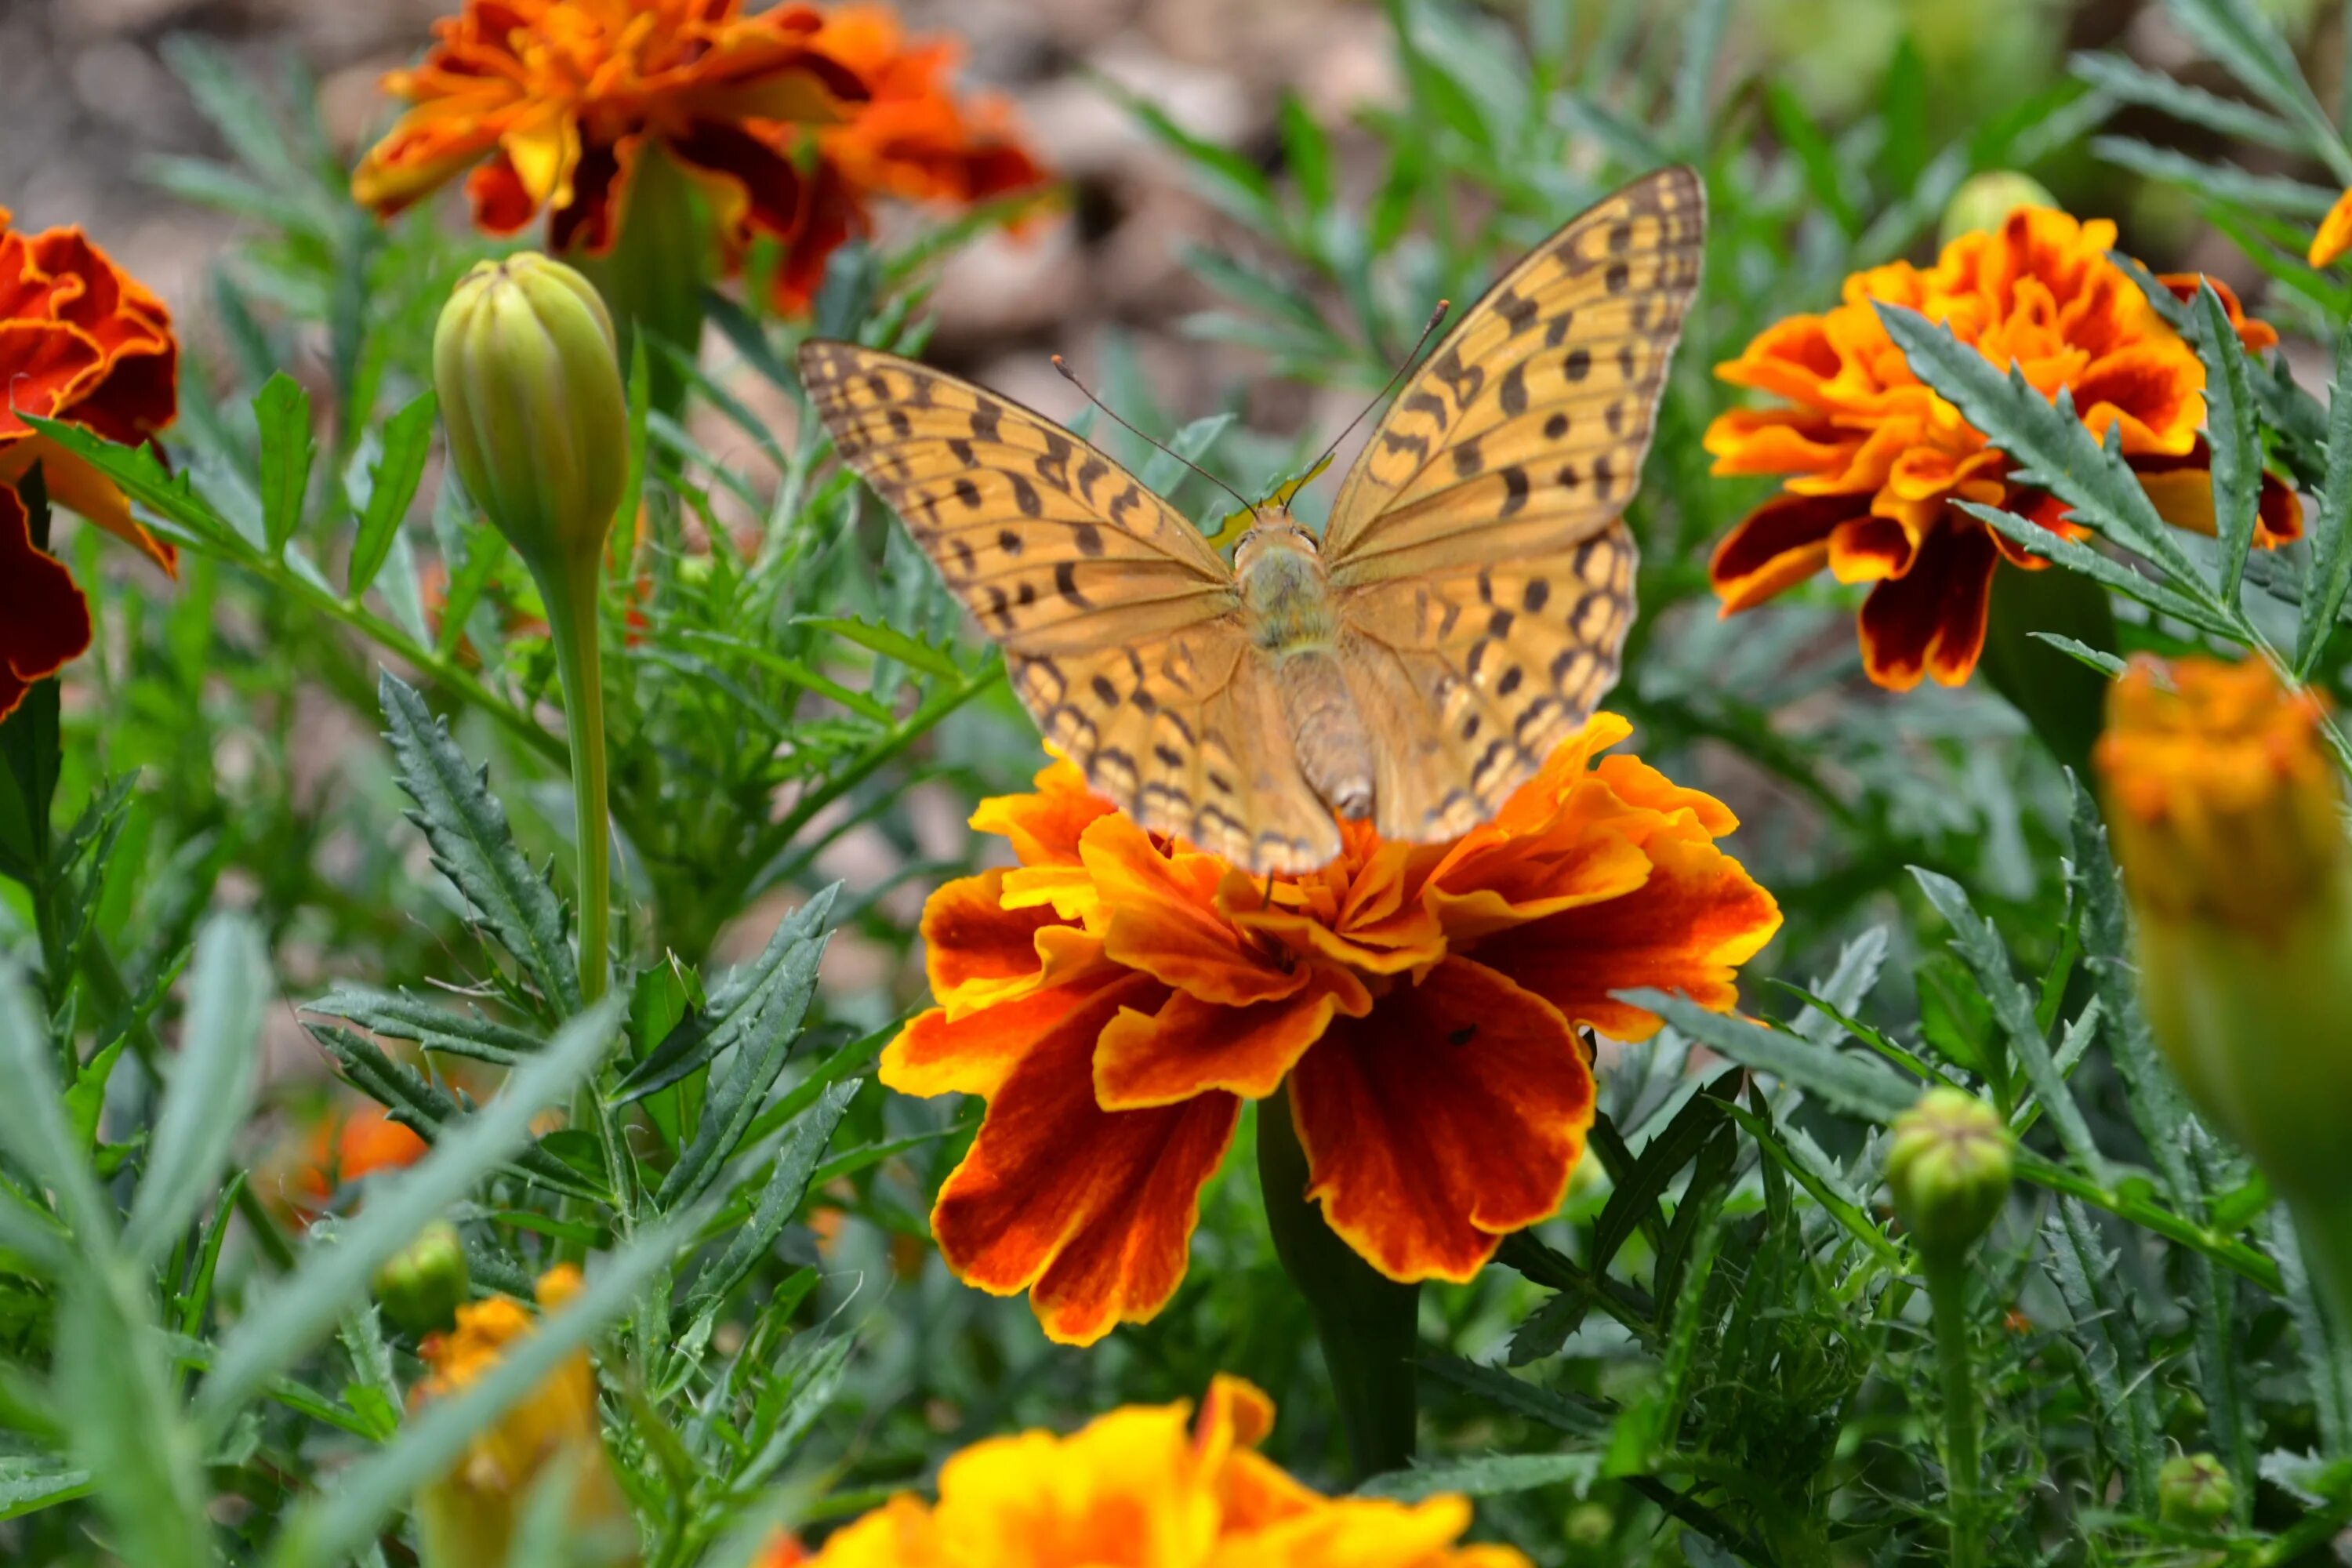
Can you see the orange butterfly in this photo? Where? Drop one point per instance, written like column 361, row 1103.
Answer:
column 1463, row 613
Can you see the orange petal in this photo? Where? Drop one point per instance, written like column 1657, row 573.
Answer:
column 974, row 949
column 1451, row 1115
column 1689, row 928
column 1090, row 1211
column 77, row 486
column 944, row 1053
column 1778, row 546
column 1044, row 827
column 1931, row 620
column 2334, row 236
column 1517, row 881
column 1190, row 1046
column 1164, row 919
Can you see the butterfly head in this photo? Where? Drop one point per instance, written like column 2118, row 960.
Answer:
column 1273, row 531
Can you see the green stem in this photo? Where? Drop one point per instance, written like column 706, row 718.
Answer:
column 571, row 605
column 1365, row 1320
column 652, row 278
column 1947, row 1294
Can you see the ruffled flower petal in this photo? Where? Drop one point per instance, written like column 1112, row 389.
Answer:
column 1450, row 1116
column 1190, row 1048
column 1931, row 621
column 1090, row 1211
column 44, row 619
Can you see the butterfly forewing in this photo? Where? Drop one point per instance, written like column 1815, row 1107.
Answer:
column 1484, row 578
column 1120, row 624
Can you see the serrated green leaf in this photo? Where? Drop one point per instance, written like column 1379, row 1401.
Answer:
column 2216, row 182
column 2082, row 653
column 1488, row 1475
column 404, row 1016
column 407, row 440
column 2125, row 79
column 2331, row 538
column 146, row 480
column 796, row 1162
column 472, row 846
column 2232, row 432
column 761, row 1017
column 282, row 1324
column 2077, row 556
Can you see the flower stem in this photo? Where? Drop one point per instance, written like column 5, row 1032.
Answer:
column 1947, row 1283
column 1365, row 1321
column 571, row 605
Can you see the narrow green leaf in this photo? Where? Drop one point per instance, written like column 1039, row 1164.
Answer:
column 2125, row 79
column 407, row 441
column 282, row 411
column 145, row 479
column 1840, row 1080
column 285, row 1321
column 1307, row 153
column 2234, row 434
column 2109, row 1339
column 2075, row 555
column 211, row 1083
column 472, row 846
column 890, row 642
column 33, row 1125
column 2242, row 38
column 2106, row 664
column 129, row 1426
column 2216, row 182
column 1161, row 473
column 30, row 1483
column 2331, row 538
column 1488, row 1475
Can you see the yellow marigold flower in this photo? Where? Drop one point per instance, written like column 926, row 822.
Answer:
column 1147, row 1485
column 2334, row 236
column 468, row 1517
column 1875, row 459
column 1115, row 996
column 2226, row 814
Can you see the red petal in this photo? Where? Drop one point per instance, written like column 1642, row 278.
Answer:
column 44, row 619
column 1776, row 546
column 1450, row 1116
column 1931, row 620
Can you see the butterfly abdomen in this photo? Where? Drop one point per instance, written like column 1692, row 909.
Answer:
column 1335, row 752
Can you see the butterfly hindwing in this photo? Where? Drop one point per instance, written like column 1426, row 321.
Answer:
column 1483, row 576
column 1120, row 624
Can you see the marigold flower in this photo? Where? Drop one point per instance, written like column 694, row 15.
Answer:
column 44, row 619
column 2334, row 236
column 1146, row 1485
column 552, row 103
column 343, row 1147
column 1116, row 995
column 470, row 1515
column 80, row 340
column 2226, row 817
column 1878, row 458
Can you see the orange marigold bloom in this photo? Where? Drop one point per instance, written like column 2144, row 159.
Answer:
column 1146, row 1485
column 44, row 619
column 1116, row 995
column 344, row 1146
column 553, row 102
column 2334, row 236
column 470, row 1515
column 2222, row 800
column 79, row 340
column 1878, row 458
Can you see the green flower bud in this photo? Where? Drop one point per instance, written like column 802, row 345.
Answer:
column 1949, row 1170
column 2194, row 1491
column 422, row 1286
column 1985, row 201
column 531, row 393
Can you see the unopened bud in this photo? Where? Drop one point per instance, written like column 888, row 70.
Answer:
column 422, row 1286
column 1949, row 1170
column 2194, row 1490
column 524, row 362
column 1985, row 201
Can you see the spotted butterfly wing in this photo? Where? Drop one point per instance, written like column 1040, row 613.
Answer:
column 1121, row 627
column 1476, row 550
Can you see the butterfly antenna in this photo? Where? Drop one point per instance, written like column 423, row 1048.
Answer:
column 1419, row 344
column 1072, row 378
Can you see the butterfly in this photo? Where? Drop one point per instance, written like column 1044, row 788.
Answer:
column 1464, row 611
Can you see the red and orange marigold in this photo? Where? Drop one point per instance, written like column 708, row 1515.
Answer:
column 80, row 340
column 1115, row 997
column 1876, row 460
column 1147, row 1485
column 551, row 104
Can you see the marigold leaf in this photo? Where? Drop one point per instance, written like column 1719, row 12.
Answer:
column 1840, row 1080
column 472, row 846
column 2232, row 433
column 788, row 1185
column 282, row 414
column 392, row 484
column 2134, row 83
column 214, row 1074
column 401, row 1015
column 2331, row 538
column 1488, row 1475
